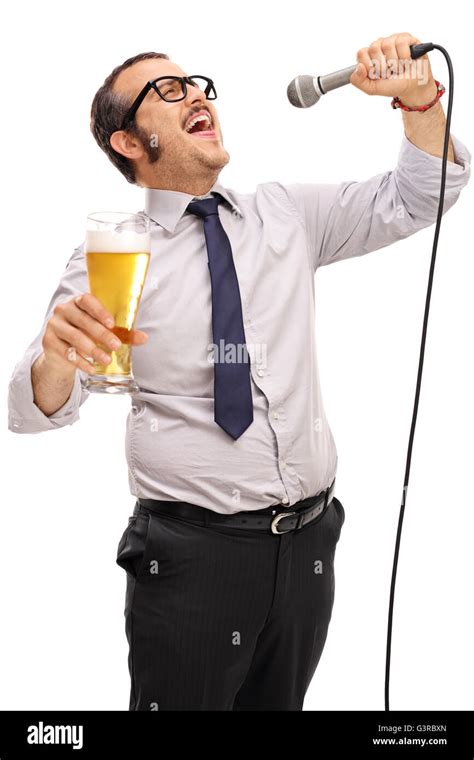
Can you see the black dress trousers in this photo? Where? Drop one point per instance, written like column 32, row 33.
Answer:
column 225, row 618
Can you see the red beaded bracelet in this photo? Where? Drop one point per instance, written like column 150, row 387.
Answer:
column 397, row 103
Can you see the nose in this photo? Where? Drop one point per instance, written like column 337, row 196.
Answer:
column 194, row 94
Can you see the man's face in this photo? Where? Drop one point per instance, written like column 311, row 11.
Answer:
column 182, row 152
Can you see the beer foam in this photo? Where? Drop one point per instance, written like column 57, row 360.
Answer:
column 126, row 241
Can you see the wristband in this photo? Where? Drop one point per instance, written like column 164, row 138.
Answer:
column 397, row 103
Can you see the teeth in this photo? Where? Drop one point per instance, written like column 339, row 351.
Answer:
column 201, row 117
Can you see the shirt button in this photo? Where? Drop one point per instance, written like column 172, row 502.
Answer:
column 260, row 372
column 275, row 416
column 285, row 500
column 283, row 465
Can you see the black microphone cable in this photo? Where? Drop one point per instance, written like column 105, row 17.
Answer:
column 417, row 52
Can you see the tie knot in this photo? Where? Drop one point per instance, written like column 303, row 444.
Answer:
column 205, row 207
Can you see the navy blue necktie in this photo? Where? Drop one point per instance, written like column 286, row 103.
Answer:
column 233, row 408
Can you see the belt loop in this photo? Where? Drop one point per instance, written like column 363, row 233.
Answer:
column 207, row 517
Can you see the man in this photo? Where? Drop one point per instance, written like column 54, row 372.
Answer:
column 230, row 549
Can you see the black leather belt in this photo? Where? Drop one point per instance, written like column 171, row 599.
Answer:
column 277, row 519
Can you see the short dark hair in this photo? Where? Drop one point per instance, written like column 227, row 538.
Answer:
column 107, row 111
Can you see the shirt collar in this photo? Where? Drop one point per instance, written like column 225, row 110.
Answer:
column 168, row 206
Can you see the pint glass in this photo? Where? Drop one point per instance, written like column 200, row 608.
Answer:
column 117, row 250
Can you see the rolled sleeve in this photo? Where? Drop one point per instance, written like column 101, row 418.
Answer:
column 354, row 218
column 418, row 177
column 24, row 416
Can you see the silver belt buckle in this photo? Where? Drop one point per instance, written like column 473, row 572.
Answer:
column 276, row 520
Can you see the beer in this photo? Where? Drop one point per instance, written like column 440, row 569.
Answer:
column 117, row 263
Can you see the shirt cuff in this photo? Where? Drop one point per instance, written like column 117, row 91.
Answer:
column 25, row 416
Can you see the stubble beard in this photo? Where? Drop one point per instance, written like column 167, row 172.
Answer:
column 202, row 158
column 180, row 158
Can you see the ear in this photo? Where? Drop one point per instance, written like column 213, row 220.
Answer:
column 127, row 145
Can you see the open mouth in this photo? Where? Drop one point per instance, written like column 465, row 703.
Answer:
column 200, row 125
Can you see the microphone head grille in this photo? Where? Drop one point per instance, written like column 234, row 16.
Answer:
column 301, row 92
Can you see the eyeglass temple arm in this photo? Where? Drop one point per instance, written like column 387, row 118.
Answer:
column 210, row 84
column 130, row 115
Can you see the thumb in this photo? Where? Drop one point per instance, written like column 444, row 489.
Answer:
column 138, row 337
column 358, row 76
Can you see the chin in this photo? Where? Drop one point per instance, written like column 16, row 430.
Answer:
column 215, row 159
column 222, row 160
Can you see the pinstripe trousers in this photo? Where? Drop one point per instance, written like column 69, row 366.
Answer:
column 225, row 618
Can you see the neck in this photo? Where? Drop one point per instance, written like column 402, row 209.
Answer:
column 191, row 185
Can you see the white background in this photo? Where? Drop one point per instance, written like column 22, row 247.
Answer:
column 65, row 493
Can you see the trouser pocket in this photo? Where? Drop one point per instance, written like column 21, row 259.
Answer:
column 133, row 545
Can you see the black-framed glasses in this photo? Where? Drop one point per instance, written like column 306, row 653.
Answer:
column 170, row 89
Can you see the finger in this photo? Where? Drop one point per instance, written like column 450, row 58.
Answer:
column 379, row 63
column 58, row 348
column 81, row 342
column 420, row 68
column 95, row 308
column 390, row 52
column 93, row 328
column 402, row 44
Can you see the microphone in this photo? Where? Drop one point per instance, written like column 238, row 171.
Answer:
column 304, row 91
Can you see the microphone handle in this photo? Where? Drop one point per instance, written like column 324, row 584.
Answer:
column 339, row 78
